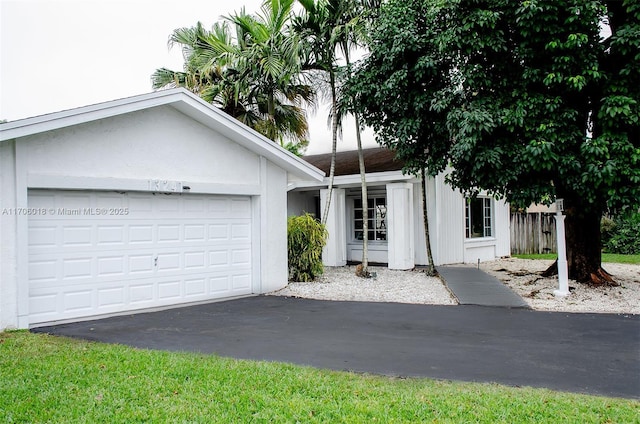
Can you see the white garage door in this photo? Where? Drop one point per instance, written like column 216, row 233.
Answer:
column 94, row 253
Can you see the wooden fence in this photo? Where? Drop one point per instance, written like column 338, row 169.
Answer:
column 533, row 233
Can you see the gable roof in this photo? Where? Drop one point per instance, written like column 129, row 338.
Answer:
column 377, row 159
column 181, row 100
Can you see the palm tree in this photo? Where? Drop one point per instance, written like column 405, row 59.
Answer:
column 351, row 34
column 254, row 75
column 317, row 26
column 330, row 25
column 270, row 61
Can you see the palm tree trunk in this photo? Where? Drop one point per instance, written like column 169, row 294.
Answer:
column 365, row 203
column 431, row 270
column 334, row 144
column 364, row 272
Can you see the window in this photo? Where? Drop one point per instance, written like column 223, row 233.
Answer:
column 478, row 217
column 377, row 210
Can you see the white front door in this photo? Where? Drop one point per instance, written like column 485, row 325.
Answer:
column 94, row 253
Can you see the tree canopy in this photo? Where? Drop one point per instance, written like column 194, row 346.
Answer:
column 526, row 100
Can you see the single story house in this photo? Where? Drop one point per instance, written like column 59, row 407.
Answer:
column 162, row 200
column 461, row 230
column 144, row 202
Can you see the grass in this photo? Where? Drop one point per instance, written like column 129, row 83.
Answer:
column 606, row 257
column 54, row 379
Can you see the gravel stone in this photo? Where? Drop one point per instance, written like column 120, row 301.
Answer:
column 341, row 283
column 521, row 275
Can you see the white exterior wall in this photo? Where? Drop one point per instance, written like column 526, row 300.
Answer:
column 334, row 253
column 488, row 248
column 502, row 225
column 8, row 238
column 400, row 225
column 123, row 153
column 418, row 219
column 300, row 202
column 446, row 209
column 446, row 221
column 158, row 143
column 273, row 224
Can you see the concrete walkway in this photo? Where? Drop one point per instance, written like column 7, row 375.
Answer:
column 475, row 287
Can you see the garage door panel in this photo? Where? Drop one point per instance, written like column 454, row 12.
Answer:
column 169, row 289
column 110, row 235
column 168, row 233
column 240, row 282
column 195, row 232
column 42, row 200
column 166, row 250
column 111, row 297
column 141, row 263
column 141, row 294
column 219, row 284
column 240, row 257
column 140, row 234
column 78, row 300
column 195, row 260
column 43, row 236
column 43, row 270
column 77, row 268
column 43, row 304
column 195, row 287
column 111, row 266
column 140, row 204
column 241, row 207
column 218, row 232
column 77, row 235
column 218, row 206
column 167, row 204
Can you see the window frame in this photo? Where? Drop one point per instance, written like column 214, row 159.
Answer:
column 373, row 216
column 487, row 220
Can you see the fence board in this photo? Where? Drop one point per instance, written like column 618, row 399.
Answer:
column 533, row 233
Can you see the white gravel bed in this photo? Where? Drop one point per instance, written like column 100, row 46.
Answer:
column 341, row 283
column 521, row 275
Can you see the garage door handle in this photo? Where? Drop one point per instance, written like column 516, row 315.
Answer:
column 155, row 261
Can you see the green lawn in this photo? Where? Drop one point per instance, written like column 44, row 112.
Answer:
column 606, row 257
column 59, row 380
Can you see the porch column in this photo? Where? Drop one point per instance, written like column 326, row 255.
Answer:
column 335, row 251
column 400, row 237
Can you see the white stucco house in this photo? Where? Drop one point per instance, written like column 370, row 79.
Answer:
column 461, row 230
column 139, row 203
column 162, row 200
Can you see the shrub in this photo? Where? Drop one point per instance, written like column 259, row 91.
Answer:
column 607, row 229
column 624, row 238
column 305, row 239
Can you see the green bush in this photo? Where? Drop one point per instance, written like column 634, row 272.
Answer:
column 607, row 229
column 305, row 239
column 624, row 237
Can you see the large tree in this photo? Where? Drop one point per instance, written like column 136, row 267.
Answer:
column 526, row 100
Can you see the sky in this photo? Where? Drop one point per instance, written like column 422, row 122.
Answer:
column 62, row 54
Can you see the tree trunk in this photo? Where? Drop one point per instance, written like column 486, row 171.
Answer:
column 364, row 270
column 431, row 269
column 584, row 253
column 334, row 144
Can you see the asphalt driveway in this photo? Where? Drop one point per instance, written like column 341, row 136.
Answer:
column 585, row 353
